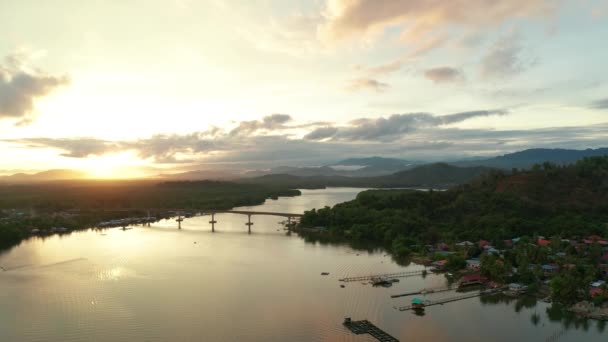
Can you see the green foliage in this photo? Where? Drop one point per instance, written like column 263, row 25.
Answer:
column 551, row 200
column 456, row 262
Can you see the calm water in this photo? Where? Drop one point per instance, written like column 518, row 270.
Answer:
column 164, row 284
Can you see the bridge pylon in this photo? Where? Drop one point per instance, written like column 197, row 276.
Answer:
column 213, row 222
column 249, row 223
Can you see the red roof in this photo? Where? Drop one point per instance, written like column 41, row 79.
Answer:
column 543, row 242
column 605, row 257
column 473, row 277
column 595, row 292
column 483, row 243
column 443, row 246
column 594, row 237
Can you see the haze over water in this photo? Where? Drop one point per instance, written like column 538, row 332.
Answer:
column 163, row 284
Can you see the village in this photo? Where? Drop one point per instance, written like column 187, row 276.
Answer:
column 571, row 271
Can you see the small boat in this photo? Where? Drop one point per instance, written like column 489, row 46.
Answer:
column 324, row 273
column 418, row 304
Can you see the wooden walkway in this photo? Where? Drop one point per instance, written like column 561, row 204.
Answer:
column 386, row 275
column 424, row 292
column 367, row 327
column 450, row 299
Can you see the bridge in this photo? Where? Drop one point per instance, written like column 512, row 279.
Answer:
column 249, row 213
column 179, row 212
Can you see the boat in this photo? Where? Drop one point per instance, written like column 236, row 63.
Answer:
column 418, row 304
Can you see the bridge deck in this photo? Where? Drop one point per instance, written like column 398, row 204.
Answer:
column 250, row 212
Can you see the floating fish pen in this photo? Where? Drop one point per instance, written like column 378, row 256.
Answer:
column 367, row 327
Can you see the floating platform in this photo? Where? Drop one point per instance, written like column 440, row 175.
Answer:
column 424, row 292
column 367, row 327
column 450, row 299
column 386, row 275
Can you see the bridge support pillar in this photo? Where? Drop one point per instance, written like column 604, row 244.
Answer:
column 213, row 222
column 249, row 224
column 179, row 222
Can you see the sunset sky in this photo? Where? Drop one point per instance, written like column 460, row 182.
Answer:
column 130, row 88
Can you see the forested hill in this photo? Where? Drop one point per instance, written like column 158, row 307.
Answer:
column 547, row 200
column 439, row 175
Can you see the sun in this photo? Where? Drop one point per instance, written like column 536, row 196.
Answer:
column 113, row 166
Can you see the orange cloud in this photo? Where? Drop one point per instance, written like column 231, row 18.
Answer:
column 346, row 18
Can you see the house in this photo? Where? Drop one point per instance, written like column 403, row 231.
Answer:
column 492, row 250
column 483, row 243
column 594, row 291
column 517, row 288
column 543, row 242
column 442, row 246
column 473, row 264
column 472, row 279
column 439, row 264
column 550, row 268
column 604, row 258
column 598, row 283
column 508, row 243
column 515, row 240
column 465, row 244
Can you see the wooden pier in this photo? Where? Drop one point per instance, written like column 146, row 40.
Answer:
column 424, row 291
column 386, row 275
column 450, row 299
column 367, row 327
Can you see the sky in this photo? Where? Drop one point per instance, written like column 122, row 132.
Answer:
column 140, row 87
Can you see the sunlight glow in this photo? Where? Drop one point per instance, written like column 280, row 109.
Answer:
column 113, row 166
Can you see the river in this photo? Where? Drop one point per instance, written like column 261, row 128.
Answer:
column 159, row 283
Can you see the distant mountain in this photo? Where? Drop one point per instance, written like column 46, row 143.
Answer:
column 44, row 176
column 203, row 175
column 439, row 175
column 375, row 162
column 352, row 167
column 527, row 158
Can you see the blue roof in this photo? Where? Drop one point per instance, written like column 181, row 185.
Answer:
column 417, row 301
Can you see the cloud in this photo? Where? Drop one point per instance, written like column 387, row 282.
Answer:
column 321, row 133
column 600, row 104
column 444, row 74
column 347, row 18
column 419, row 49
column 504, row 58
column 416, row 135
column 270, row 122
column 393, row 127
column 367, row 83
column 20, row 87
column 74, row 147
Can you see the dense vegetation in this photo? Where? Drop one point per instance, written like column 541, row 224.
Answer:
column 548, row 200
column 45, row 205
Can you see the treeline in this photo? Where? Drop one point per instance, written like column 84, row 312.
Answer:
column 137, row 194
column 82, row 204
column 548, row 200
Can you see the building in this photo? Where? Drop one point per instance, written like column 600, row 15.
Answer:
column 472, row 279
column 473, row 264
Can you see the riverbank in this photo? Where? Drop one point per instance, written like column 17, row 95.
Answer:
column 60, row 208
